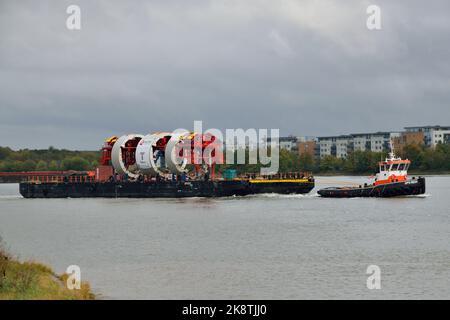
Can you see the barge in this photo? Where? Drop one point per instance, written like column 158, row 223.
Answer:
column 165, row 189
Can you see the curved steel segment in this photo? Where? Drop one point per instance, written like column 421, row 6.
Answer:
column 120, row 153
column 174, row 161
column 147, row 154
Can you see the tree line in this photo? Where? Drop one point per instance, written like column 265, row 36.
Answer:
column 50, row 159
column 358, row 162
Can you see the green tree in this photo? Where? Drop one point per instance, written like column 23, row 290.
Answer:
column 94, row 164
column 28, row 165
column 53, row 165
column 5, row 153
column 331, row 164
column 306, row 162
column 362, row 161
column 41, row 166
column 4, row 165
column 443, row 152
column 75, row 163
column 414, row 153
column 289, row 161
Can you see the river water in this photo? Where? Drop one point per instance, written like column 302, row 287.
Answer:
column 257, row 247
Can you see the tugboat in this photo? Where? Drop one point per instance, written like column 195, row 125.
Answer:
column 391, row 181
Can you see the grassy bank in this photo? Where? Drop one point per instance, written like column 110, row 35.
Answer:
column 35, row 281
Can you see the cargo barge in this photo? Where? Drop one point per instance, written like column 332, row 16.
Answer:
column 164, row 189
column 136, row 166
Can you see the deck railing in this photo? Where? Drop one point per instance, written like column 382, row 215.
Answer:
column 47, row 176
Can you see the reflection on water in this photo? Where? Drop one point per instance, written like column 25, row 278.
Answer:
column 265, row 246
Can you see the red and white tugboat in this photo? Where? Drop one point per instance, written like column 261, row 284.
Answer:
column 391, row 181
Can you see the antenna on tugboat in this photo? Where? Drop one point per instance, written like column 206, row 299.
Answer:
column 392, row 152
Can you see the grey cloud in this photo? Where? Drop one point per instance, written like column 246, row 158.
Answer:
column 306, row 67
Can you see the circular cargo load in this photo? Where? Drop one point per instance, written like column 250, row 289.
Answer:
column 150, row 153
column 175, row 160
column 123, row 155
column 212, row 149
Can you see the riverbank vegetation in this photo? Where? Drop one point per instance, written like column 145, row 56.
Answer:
column 35, row 281
column 50, row 159
column 424, row 160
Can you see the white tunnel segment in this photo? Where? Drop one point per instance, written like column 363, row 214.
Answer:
column 174, row 162
column 120, row 153
column 146, row 159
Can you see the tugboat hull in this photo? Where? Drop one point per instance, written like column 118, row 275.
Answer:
column 405, row 188
column 164, row 189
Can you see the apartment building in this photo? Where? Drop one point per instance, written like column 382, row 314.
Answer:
column 408, row 138
column 341, row 146
column 291, row 143
column 288, row 143
column 307, row 147
column 433, row 135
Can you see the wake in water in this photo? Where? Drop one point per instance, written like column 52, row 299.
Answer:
column 418, row 196
column 282, row 196
column 425, row 195
column 11, row 196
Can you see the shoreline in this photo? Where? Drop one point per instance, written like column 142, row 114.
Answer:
column 31, row 280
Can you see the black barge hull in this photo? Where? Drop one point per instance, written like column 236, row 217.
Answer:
column 411, row 187
column 164, row 189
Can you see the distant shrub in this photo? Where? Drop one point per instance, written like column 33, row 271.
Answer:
column 75, row 163
column 41, row 166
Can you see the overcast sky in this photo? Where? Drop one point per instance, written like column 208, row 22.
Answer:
column 306, row 67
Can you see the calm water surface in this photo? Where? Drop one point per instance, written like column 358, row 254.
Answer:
column 258, row 247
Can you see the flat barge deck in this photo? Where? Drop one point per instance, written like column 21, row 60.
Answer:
column 164, row 189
